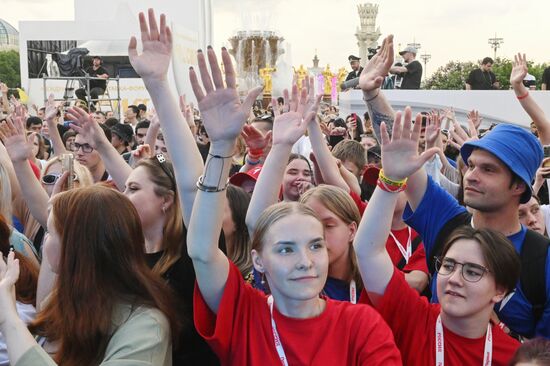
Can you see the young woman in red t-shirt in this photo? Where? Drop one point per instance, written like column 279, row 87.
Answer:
column 476, row 270
column 294, row 325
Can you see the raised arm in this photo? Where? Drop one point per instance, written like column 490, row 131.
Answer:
column 287, row 129
column 519, row 71
column 399, row 162
column 51, row 119
column 223, row 116
column 20, row 151
column 152, row 65
column 84, row 124
column 327, row 164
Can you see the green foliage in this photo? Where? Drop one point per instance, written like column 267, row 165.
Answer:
column 9, row 69
column 453, row 75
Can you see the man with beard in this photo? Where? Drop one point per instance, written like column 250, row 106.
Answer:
column 355, row 67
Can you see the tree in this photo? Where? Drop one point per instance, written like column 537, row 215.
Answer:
column 9, row 69
column 453, row 75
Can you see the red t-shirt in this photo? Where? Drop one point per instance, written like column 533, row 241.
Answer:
column 413, row 320
column 241, row 334
column 417, row 261
column 361, row 205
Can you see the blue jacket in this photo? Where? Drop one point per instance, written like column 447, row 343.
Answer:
column 434, row 211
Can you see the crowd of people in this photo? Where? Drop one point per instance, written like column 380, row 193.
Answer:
column 233, row 234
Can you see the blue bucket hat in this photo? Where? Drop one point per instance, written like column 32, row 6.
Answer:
column 516, row 147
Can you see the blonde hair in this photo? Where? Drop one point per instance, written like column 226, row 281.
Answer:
column 273, row 214
column 84, row 176
column 339, row 202
column 5, row 195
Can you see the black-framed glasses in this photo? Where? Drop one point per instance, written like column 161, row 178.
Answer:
column 52, row 178
column 162, row 162
column 471, row 272
column 86, row 148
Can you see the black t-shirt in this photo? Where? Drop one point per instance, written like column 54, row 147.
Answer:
column 192, row 348
column 93, row 73
column 546, row 78
column 481, row 80
column 413, row 76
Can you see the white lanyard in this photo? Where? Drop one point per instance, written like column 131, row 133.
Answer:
column 278, row 344
column 439, row 345
column 353, row 292
column 407, row 251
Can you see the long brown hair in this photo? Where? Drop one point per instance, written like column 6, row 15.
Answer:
column 102, row 264
column 25, row 289
column 173, row 231
column 239, row 251
column 339, row 202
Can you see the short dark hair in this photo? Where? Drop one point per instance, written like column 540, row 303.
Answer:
column 281, row 100
column 499, row 254
column 33, row 121
column 487, row 60
column 142, row 107
column 110, row 122
column 100, row 112
column 143, row 124
column 134, row 108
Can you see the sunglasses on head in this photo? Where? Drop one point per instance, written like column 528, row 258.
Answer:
column 52, row 178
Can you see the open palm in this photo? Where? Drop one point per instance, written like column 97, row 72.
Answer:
column 378, row 67
column 222, row 112
column 154, row 60
column 13, row 134
column 519, row 69
column 400, row 157
column 84, row 124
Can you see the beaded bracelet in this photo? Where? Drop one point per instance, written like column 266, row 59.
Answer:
column 390, row 188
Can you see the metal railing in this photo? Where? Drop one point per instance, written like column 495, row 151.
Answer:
column 71, row 80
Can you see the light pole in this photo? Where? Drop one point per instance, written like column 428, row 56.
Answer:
column 495, row 44
column 425, row 57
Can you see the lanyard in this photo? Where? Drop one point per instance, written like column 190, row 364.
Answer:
column 407, row 251
column 353, row 292
column 278, row 344
column 439, row 345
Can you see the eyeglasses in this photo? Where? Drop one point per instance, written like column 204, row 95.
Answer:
column 50, row 179
column 86, row 148
column 471, row 272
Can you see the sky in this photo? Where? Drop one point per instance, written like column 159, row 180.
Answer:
column 447, row 30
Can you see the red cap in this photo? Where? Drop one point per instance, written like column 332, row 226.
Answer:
column 237, row 179
column 370, row 176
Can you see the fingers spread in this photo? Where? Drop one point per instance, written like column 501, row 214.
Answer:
column 215, row 68
column 197, row 90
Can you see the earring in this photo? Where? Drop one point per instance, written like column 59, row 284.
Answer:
column 262, row 279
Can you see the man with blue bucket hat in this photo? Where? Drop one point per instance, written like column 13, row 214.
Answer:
column 501, row 168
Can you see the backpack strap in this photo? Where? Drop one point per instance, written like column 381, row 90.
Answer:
column 461, row 219
column 415, row 243
column 533, row 256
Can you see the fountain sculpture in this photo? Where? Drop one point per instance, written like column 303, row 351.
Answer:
column 255, row 52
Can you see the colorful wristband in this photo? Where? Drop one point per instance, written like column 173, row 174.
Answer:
column 389, row 181
column 390, row 188
column 523, row 96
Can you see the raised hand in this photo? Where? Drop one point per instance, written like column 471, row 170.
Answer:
column 222, row 112
column 378, row 67
column 51, row 108
column 459, row 136
column 9, row 274
column 290, row 126
column 254, row 139
column 519, row 69
column 13, row 134
column 187, row 111
column 400, row 157
column 433, row 127
column 154, row 60
column 84, row 124
column 473, row 116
